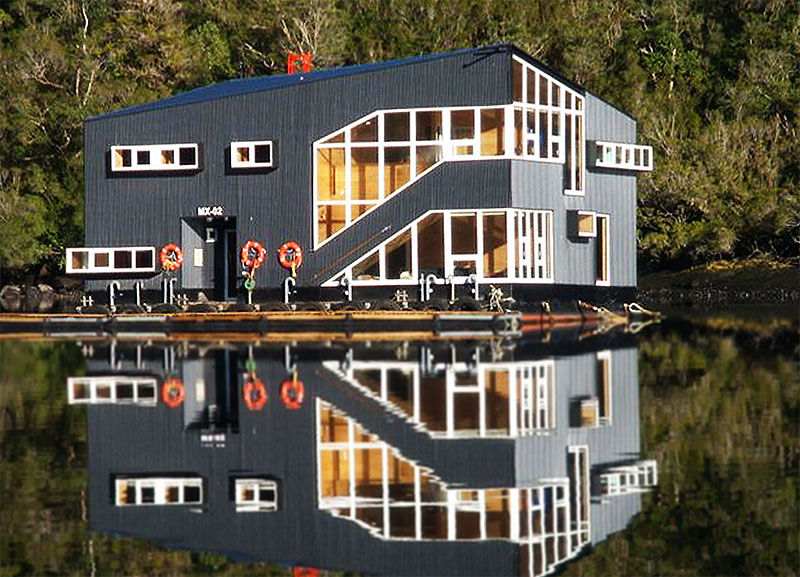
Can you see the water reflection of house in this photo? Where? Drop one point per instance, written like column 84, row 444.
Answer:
column 401, row 459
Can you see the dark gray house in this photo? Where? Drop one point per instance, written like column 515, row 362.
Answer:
column 432, row 171
column 401, row 458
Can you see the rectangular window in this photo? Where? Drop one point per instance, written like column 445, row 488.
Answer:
column 429, row 125
column 396, row 126
column 492, row 124
column 331, row 174
column 462, row 124
column 330, row 219
column 602, row 251
column 256, row 495
column 396, row 168
column 253, row 154
column 495, row 245
column 158, row 491
column 623, row 156
column 155, row 157
column 137, row 259
column 364, row 173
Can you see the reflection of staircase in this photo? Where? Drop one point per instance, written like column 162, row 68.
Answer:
column 454, row 461
column 439, row 189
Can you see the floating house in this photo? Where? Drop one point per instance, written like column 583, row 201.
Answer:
column 432, row 176
column 399, row 458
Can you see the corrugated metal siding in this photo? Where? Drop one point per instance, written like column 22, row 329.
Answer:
column 275, row 206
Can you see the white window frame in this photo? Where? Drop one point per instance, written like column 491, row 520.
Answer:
column 159, row 486
column 111, row 268
column 538, row 257
column 112, row 382
column 255, row 505
column 607, row 151
column 591, row 216
column 607, row 246
column 251, row 147
column 155, row 151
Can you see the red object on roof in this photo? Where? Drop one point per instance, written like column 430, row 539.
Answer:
column 298, row 62
column 305, row 572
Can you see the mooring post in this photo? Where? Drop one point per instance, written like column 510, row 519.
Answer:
column 288, row 284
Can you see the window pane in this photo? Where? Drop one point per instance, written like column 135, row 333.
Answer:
column 263, row 153
column 243, row 154
column 579, row 152
column 492, row 124
column 531, row 132
column 429, row 125
column 543, row 90
column 143, row 157
column 122, row 158
column 427, row 156
column 495, row 245
column 518, row 132
column 123, row 259
column 543, row 135
column 568, row 146
column 464, row 233
column 367, row 131
column 80, row 259
column 369, row 473
column 462, row 124
column 331, row 220
column 430, row 245
column 396, row 126
column 357, row 210
column 516, row 80
column 556, row 94
column 187, row 156
column 144, row 259
column 567, row 100
column 397, row 168
column 330, row 174
column 464, row 267
column 368, row 269
column 338, row 137
column 101, row 259
column 398, row 257
column 364, row 173
column 531, row 86
column 167, row 157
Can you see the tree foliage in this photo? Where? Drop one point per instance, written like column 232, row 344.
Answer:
column 713, row 85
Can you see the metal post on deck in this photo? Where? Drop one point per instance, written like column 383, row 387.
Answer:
column 347, row 284
column 288, row 285
column 138, row 287
column 112, row 287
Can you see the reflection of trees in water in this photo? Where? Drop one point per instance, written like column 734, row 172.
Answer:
column 719, row 412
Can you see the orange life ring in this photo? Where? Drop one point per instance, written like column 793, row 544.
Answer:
column 171, row 257
column 290, row 255
column 255, row 395
column 173, row 393
column 252, row 254
column 292, row 394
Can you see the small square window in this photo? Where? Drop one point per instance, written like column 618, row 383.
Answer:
column 243, row 154
column 101, row 259
column 191, row 494
column 80, row 391
column 188, row 157
column 148, row 495
column 80, row 260
column 123, row 259
column 122, row 157
column 143, row 157
column 144, row 259
column 125, row 391
column 167, row 157
column 263, row 153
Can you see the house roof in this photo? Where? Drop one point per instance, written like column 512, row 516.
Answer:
column 239, row 86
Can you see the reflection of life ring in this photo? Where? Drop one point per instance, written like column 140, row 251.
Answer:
column 252, row 254
column 290, row 255
column 173, row 393
column 255, row 395
column 171, row 257
column 292, row 393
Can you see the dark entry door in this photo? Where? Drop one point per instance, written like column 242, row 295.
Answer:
column 210, row 256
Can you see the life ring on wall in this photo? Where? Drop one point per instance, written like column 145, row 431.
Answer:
column 173, row 393
column 252, row 254
column 170, row 257
column 290, row 255
column 292, row 393
column 255, row 394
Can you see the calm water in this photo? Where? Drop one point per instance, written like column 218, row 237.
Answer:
column 672, row 452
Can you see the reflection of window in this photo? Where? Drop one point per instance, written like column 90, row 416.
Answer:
column 604, row 386
column 158, row 491
column 112, row 389
column 136, row 259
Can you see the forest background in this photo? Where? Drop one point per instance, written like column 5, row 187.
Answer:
column 713, row 85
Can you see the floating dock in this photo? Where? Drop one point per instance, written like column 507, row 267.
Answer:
column 308, row 325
